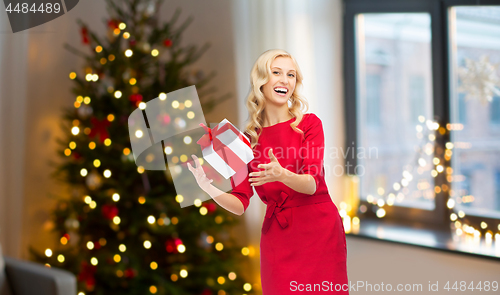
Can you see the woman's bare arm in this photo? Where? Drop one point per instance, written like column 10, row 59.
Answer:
column 225, row 200
column 302, row 183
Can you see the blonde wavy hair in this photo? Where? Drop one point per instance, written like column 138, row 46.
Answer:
column 256, row 102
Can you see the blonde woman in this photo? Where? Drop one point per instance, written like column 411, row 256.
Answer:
column 303, row 245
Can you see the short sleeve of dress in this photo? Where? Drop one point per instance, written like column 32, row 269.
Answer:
column 313, row 148
column 241, row 187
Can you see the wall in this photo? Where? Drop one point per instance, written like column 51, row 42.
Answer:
column 13, row 81
column 378, row 262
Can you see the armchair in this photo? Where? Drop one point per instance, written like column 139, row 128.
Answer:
column 18, row 277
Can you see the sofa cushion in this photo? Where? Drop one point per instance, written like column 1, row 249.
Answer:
column 4, row 286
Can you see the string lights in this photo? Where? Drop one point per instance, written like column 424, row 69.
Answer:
column 436, row 161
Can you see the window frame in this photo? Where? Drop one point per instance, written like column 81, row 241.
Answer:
column 438, row 10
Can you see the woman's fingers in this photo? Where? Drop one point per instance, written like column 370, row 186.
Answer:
column 193, row 170
column 196, row 161
column 256, row 174
column 190, row 167
column 199, row 174
column 197, row 167
column 271, row 156
column 265, row 178
column 258, row 183
column 268, row 166
column 196, row 172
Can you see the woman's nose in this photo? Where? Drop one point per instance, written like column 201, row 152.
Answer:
column 284, row 80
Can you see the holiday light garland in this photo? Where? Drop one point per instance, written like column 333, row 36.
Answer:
column 441, row 165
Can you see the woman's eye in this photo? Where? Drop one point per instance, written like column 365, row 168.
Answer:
column 276, row 72
column 292, row 75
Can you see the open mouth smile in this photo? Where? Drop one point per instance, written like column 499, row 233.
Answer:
column 281, row 91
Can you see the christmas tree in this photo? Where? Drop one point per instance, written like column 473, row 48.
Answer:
column 121, row 229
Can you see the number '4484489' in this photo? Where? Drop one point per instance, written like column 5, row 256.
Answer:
column 42, row 8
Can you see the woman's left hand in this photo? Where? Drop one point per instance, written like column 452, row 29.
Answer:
column 273, row 172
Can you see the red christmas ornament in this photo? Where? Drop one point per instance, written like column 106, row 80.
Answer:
column 167, row 42
column 135, row 99
column 109, row 211
column 86, row 274
column 113, row 23
column 129, row 273
column 76, row 155
column 85, row 35
column 99, row 128
column 207, row 292
column 171, row 245
column 210, row 207
column 66, row 236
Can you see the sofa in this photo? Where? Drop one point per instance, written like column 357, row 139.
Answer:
column 19, row 277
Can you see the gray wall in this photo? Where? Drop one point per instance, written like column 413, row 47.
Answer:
column 378, row 262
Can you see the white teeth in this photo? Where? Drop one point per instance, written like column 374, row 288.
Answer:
column 281, row 90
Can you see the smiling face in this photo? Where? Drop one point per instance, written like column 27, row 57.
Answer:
column 281, row 82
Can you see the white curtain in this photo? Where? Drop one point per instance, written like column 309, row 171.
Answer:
column 13, row 65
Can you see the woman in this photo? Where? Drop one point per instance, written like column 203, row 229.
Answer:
column 302, row 244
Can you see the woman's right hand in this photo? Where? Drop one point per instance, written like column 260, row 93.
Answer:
column 199, row 174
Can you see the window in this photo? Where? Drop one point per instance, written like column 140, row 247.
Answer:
column 497, row 190
column 416, row 92
column 394, row 58
column 474, row 50
column 373, row 82
column 462, row 109
column 431, row 70
column 495, row 110
column 463, row 188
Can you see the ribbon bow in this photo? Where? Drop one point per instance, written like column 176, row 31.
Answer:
column 211, row 136
column 275, row 209
column 229, row 156
column 206, row 139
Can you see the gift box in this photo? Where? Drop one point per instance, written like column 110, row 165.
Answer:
column 225, row 148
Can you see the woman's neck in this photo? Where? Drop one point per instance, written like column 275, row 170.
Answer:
column 274, row 116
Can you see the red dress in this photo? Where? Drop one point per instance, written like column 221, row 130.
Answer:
column 303, row 245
